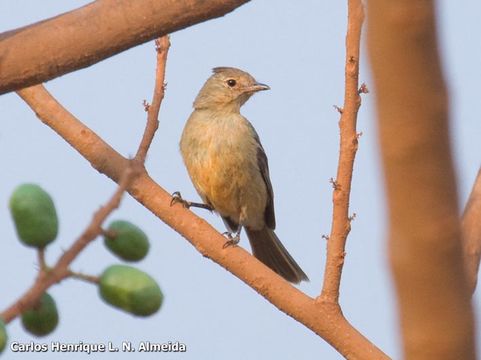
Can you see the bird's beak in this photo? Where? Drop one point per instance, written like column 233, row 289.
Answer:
column 256, row 87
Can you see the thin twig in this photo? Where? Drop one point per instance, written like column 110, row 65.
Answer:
column 111, row 234
column 347, row 153
column 41, row 259
column 84, row 277
column 162, row 47
column 60, row 270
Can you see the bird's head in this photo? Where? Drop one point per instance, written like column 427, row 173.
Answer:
column 227, row 87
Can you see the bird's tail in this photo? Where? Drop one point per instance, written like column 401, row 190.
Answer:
column 267, row 247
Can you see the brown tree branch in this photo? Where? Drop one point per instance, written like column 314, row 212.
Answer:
column 325, row 319
column 341, row 221
column 424, row 235
column 471, row 227
column 49, row 276
column 103, row 28
column 162, row 46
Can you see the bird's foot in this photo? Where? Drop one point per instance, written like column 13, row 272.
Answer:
column 177, row 199
column 233, row 239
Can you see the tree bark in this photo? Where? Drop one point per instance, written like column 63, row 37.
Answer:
column 471, row 226
column 85, row 36
column 425, row 234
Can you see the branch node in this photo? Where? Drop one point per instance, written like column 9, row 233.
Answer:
column 111, row 234
column 335, row 184
column 363, row 89
column 146, row 105
column 162, row 44
column 352, row 217
column 339, row 109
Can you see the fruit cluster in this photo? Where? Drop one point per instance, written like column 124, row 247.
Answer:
column 121, row 286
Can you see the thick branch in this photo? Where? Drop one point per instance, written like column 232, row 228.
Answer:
column 471, row 226
column 425, row 235
column 341, row 222
column 325, row 319
column 103, row 28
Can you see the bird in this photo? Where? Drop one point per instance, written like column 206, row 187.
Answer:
column 228, row 167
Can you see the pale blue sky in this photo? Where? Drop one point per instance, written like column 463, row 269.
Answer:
column 297, row 48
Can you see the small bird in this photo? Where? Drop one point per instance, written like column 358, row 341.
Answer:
column 228, row 167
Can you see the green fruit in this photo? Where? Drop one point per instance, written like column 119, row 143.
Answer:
column 129, row 243
column 34, row 215
column 42, row 319
column 3, row 336
column 131, row 290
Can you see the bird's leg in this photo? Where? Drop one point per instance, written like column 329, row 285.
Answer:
column 177, row 199
column 233, row 238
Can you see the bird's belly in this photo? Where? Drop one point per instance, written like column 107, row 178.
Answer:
column 231, row 182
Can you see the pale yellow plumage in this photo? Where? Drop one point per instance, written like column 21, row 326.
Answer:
column 228, row 166
column 223, row 166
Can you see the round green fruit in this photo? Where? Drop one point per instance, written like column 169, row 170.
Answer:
column 34, row 215
column 3, row 336
column 128, row 242
column 130, row 289
column 42, row 319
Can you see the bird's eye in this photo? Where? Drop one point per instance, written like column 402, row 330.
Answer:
column 231, row 82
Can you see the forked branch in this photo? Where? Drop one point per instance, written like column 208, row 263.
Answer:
column 61, row 270
column 49, row 276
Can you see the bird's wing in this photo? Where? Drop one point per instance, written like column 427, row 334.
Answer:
column 269, row 215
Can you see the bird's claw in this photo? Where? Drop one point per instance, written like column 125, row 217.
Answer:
column 177, row 199
column 233, row 240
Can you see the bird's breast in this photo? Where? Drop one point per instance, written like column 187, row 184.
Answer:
column 220, row 154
